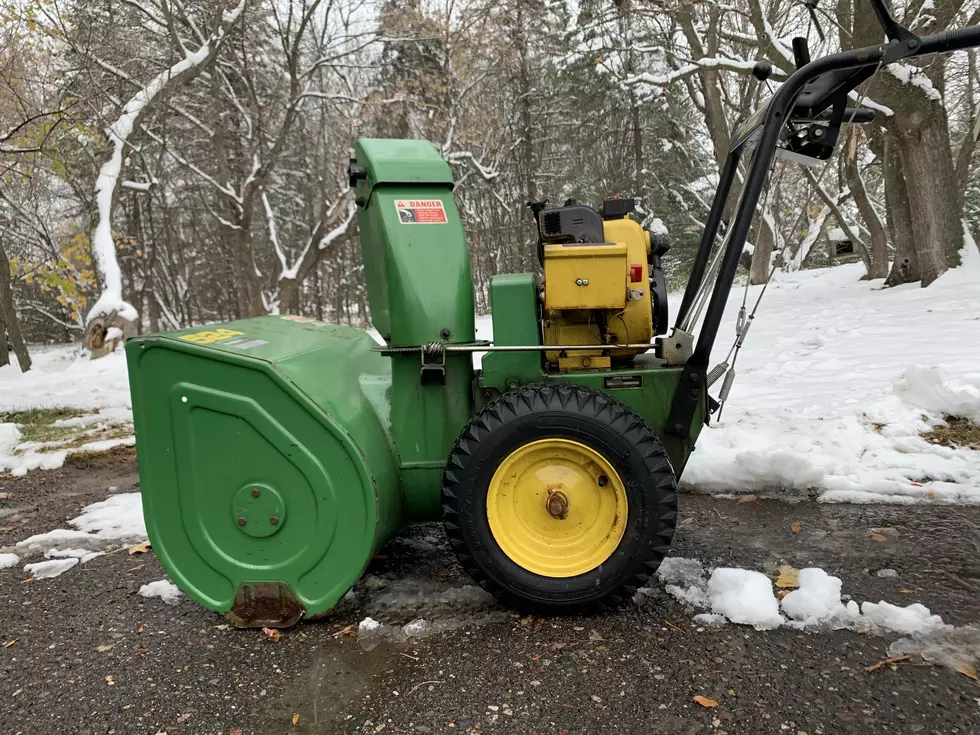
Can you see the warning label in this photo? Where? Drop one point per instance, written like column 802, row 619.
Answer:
column 421, row 211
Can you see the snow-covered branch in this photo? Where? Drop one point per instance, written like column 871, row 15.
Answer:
column 119, row 132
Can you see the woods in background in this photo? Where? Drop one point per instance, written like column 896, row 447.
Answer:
column 232, row 122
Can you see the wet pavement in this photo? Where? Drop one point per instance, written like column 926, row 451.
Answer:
column 92, row 656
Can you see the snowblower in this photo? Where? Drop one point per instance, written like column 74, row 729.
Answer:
column 277, row 455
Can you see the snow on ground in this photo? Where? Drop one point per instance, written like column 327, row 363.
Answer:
column 64, row 377
column 837, row 380
column 164, row 589
column 746, row 597
column 113, row 523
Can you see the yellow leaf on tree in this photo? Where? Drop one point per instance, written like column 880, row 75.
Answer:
column 705, row 702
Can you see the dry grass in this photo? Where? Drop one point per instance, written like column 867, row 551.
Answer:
column 958, row 433
column 37, row 424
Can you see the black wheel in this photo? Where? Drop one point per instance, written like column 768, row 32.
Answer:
column 559, row 498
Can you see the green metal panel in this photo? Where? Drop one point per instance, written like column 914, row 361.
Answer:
column 418, row 273
column 514, row 305
column 264, row 461
column 420, row 290
column 402, row 162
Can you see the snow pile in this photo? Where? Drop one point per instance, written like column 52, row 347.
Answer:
column 112, row 523
column 915, row 618
column 164, row 589
column 746, row 597
column 931, row 390
column 817, row 601
column 684, row 580
column 64, row 377
column 49, row 569
column 9, row 560
column 836, row 383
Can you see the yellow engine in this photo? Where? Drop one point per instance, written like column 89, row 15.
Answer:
column 597, row 284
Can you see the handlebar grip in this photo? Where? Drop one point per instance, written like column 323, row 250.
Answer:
column 946, row 41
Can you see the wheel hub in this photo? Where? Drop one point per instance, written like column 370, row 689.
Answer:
column 557, row 504
column 557, row 508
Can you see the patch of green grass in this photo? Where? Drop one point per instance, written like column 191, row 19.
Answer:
column 37, row 424
column 46, row 432
column 40, row 415
column 958, row 433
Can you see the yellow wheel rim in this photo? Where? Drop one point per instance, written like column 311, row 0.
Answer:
column 557, row 508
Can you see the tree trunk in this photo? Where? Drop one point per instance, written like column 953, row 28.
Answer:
column 10, row 317
column 289, row 296
column 4, row 352
column 919, row 132
column 905, row 267
column 878, row 267
column 762, row 257
column 637, row 126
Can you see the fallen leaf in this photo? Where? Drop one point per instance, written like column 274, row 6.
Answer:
column 789, row 577
column 109, row 681
column 5, row 496
column 380, row 557
column 577, row 627
column 9, row 643
column 670, row 625
column 235, row 731
column 223, row 626
column 967, row 669
column 295, row 719
column 916, row 484
column 139, row 629
column 104, row 647
column 346, row 630
column 140, row 548
column 796, row 526
column 748, row 499
column 705, row 702
column 25, row 581
column 878, row 537
column 907, row 592
column 8, row 528
column 782, row 593
column 272, row 634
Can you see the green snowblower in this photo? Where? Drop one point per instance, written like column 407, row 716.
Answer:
column 277, row 455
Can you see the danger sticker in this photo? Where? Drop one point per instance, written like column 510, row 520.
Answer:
column 421, row 211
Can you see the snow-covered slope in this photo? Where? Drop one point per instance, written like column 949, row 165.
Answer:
column 837, row 380
column 62, row 377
